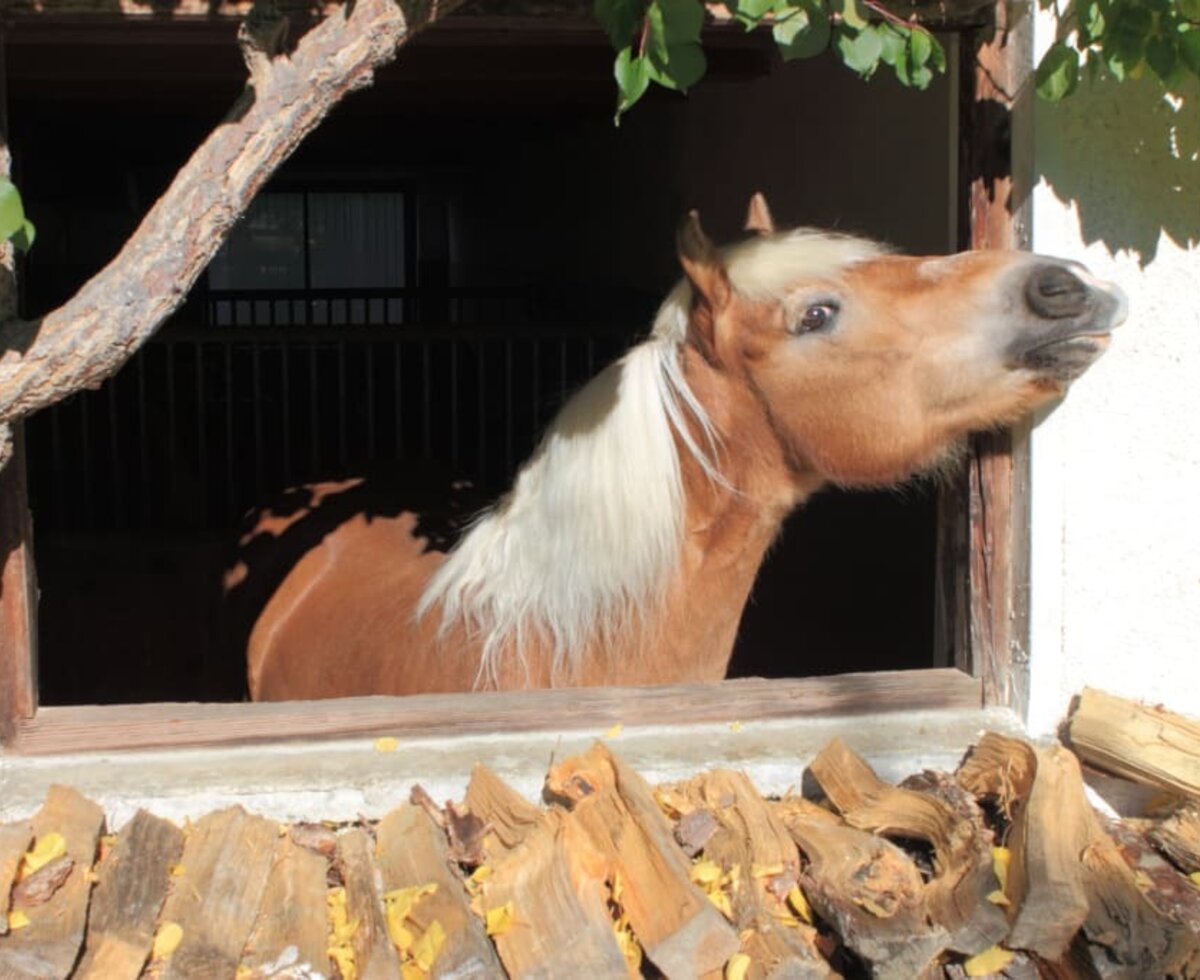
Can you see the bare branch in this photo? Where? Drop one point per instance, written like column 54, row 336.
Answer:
column 97, row 330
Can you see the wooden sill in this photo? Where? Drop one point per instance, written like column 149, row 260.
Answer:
column 105, row 728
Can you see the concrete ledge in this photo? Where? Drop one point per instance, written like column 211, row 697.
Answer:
column 345, row 778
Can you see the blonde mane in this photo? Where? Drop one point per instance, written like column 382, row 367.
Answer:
column 584, row 545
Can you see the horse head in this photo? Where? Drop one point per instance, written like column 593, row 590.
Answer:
column 868, row 366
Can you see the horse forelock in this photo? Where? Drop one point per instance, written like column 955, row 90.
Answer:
column 583, row 547
column 765, row 267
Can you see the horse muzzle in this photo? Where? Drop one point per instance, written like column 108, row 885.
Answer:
column 1069, row 319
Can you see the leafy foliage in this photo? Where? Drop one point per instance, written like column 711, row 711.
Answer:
column 13, row 223
column 658, row 41
column 1124, row 37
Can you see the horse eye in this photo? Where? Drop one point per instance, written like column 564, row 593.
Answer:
column 817, row 317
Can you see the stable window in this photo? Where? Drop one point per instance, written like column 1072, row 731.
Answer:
column 431, row 304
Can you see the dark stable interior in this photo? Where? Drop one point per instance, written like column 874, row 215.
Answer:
column 441, row 262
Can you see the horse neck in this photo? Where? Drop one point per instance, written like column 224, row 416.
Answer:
column 728, row 528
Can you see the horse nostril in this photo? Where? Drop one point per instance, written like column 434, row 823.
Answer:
column 1054, row 291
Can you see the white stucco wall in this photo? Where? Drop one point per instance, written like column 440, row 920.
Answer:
column 1116, row 467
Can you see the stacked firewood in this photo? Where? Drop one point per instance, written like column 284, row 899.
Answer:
column 1002, row 868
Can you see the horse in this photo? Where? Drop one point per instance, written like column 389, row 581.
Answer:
column 628, row 545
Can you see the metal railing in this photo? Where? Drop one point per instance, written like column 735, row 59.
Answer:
column 285, row 387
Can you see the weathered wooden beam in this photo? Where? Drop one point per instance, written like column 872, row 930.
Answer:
column 18, row 579
column 97, row 728
column 982, row 616
column 936, row 14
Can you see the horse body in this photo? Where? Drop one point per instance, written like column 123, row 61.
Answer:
column 629, row 544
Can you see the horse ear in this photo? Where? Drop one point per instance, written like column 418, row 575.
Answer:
column 758, row 216
column 702, row 264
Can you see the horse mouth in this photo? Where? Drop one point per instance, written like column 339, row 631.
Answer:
column 1064, row 358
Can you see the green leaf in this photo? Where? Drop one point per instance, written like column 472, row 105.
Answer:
column 1162, row 57
column 24, row 236
column 755, row 10
column 920, row 47
column 1091, row 23
column 937, row 56
column 1058, row 73
column 12, row 212
column 1189, row 50
column 860, row 50
column 895, row 46
column 1124, row 42
column 851, row 14
column 1190, row 9
column 682, row 20
column 618, row 18
column 805, row 33
column 633, row 78
column 656, row 33
column 684, row 67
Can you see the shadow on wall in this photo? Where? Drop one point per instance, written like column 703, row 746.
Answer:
column 1128, row 159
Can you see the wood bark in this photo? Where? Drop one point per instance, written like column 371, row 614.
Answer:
column 132, row 887
column 681, row 931
column 1149, row 745
column 374, row 954
column 216, row 896
column 750, row 836
column 89, row 337
column 289, row 936
column 49, row 945
column 412, row 852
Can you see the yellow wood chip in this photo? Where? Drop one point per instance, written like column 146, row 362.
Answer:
column 425, row 950
column 631, row 949
column 45, row 849
column 410, row 971
column 799, row 904
column 737, row 967
column 482, row 873
column 705, row 872
column 341, row 933
column 387, row 744
column 17, row 919
column 998, row 898
column 766, row 870
column 500, row 919
column 1195, row 877
column 735, row 726
column 614, row 731
column 243, row 973
column 343, row 956
column 166, row 940
column 177, row 870
column 989, row 961
column 1001, row 858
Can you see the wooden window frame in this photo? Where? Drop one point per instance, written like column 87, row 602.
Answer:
column 982, row 575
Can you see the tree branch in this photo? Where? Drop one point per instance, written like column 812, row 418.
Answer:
column 88, row 338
